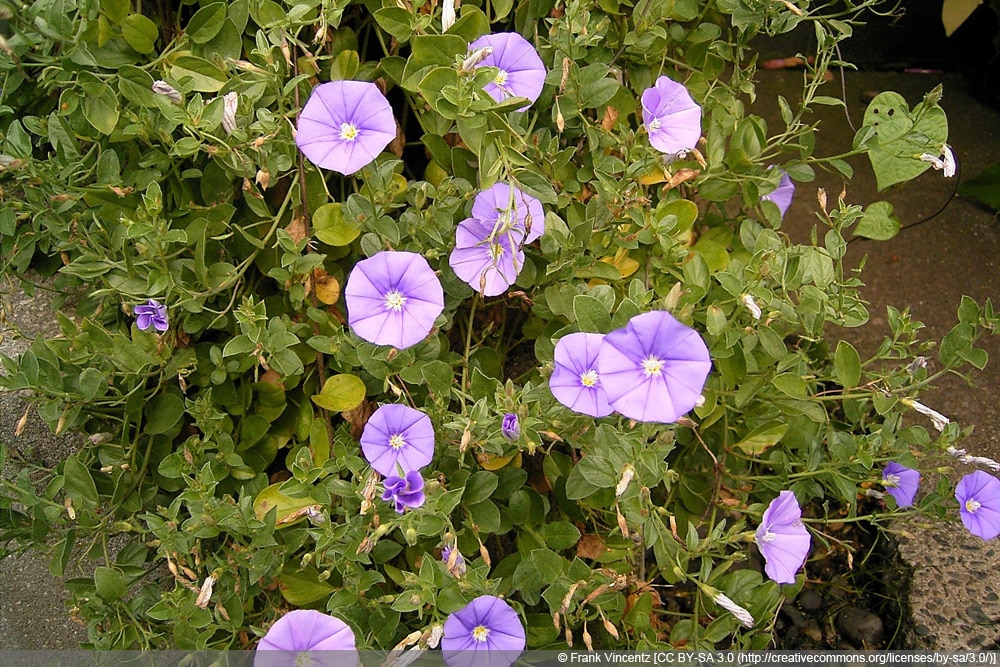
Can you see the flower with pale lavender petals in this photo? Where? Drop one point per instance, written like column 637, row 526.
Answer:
column 510, row 427
column 654, row 368
column 230, row 102
column 485, row 624
column 398, row 439
column 978, row 496
column 152, row 314
column 782, row 195
column 453, row 560
column 393, row 298
column 168, row 91
column 575, row 381
column 522, row 72
column 403, row 492
column 304, row 630
column 671, row 117
column 938, row 419
column 901, row 483
column 783, row 539
column 345, row 125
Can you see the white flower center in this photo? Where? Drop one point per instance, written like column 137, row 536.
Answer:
column 654, row 125
column 397, row 442
column 652, row 366
column 972, row 505
column 348, row 131
column 501, row 78
column 480, row 633
column 769, row 536
column 589, row 379
column 303, row 659
column 394, row 300
column 892, row 480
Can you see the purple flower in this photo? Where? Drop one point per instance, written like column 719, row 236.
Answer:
column 487, row 261
column 405, row 491
column 398, row 439
column 782, row 538
column 345, row 125
column 393, row 298
column 672, row 118
column 305, row 630
column 654, row 368
column 978, row 496
column 575, row 381
column 900, row 482
column 510, row 427
column 782, row 195
column 153, row 314
column 487, row 623
column 509, row 210
column 522, row 73
column 455, row 567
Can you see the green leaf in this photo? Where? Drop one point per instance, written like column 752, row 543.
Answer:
column 302, row 587
column 591, row 315
column 480, row 486
column 847, row 365
column 439, row 377
column 163, row 414
column 331, row 227
column 560, row 534
column 78, row 483
column 985, row 186
column 429, row 50
column 110, row 583
column 878, row 222
column 791, row 384
column 895, row 137
column 100, row 106
column 115, row 10
column 396, row 21
column 196, row 74
column 762, row 438
column 206, row 23
column 471, row 25
column 140, row 33
column 340, row 393
column 272, row 498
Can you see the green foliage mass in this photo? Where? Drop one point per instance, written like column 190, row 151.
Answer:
column 227, row 447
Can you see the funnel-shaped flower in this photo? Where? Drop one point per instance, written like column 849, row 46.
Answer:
column 654, row 368
column 398, row 439
column 509, row 210
column 393, row 299
column 900, row 482
column 522, row 73
column 345, row 125
column 485, row 624
column 782, row 195
column 487, row 261
column 671, row 117
column 782, row 538
column 305, row 630
column 575, row 381
column 978, row 496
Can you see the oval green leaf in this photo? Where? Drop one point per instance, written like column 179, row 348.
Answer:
column 340, row 393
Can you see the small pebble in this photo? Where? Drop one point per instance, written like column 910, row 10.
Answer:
column 810, row 600
column 860, row 627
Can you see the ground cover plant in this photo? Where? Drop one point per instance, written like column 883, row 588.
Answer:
column 414, row 325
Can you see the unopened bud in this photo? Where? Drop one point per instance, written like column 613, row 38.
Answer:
column 229, row 106
column 476, row 57
column 168, row 91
